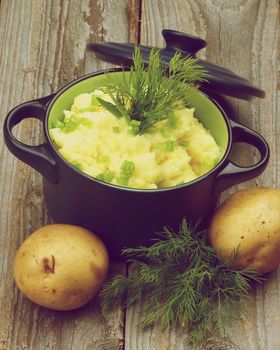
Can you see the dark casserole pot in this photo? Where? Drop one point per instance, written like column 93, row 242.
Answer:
column 126, row 217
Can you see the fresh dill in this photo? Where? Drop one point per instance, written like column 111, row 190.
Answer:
column 180, row 280
column 146, row 95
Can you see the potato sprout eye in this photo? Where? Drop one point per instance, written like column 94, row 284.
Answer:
column 49, row 264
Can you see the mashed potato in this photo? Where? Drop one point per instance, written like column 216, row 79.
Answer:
column 177, row 150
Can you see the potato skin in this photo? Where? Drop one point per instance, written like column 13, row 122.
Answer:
column 61, row 267
column 249, row 220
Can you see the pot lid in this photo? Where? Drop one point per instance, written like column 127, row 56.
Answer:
column 220, row 80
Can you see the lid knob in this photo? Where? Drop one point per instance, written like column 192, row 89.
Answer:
column 183, row 42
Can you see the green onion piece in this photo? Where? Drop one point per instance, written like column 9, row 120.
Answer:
column 116, row 129
column 170, row 145
column 165, row 132
column 77, row 165
column 183, row 143
column 131, row 132
column 172, row 121
column 123, row 180
column 135, row 124
column 106, row 177
column 180, row 183
column 127, row 168
column 102, row 159
column 73, row 123
column 58, row 124
column 167, row 146
column 109, row 175
column 100, row 176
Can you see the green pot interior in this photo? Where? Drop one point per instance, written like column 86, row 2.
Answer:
column 205, row 110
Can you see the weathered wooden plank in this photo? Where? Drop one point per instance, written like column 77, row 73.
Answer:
column 243, row 36
column 43, row 45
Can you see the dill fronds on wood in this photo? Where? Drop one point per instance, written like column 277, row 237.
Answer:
column 181, row 281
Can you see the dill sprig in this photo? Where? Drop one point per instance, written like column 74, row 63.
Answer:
column 180, row 280
column 145, row 95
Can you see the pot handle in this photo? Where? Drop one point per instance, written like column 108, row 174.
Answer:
column 233, row 174
column 38, row 157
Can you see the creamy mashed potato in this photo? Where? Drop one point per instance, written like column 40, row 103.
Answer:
column 177, row 150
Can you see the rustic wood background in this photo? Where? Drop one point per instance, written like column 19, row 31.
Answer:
column 43, row 46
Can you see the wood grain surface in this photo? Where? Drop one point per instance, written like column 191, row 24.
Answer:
column 43, row 46
column 244, row 37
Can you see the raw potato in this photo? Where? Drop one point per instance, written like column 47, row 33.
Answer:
column 60, row 266
column 249, row 220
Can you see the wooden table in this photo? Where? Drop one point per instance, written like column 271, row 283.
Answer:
column 43, row 47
